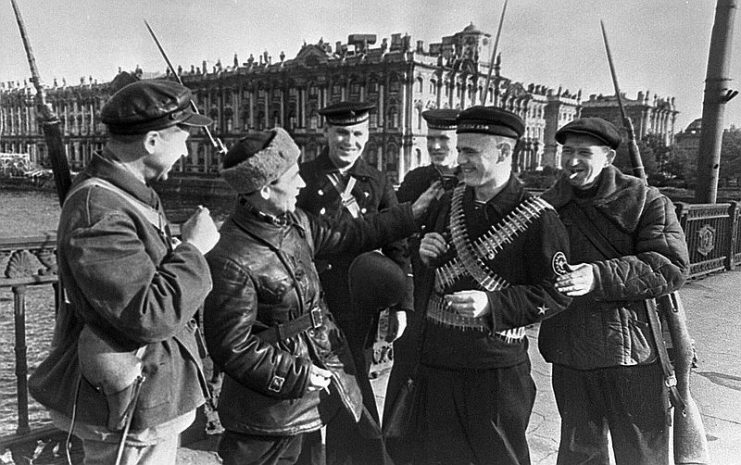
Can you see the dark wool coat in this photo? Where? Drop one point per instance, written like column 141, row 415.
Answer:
column 123, row 280
column 373, row 193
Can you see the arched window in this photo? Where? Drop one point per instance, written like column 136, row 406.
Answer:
column 420, row 85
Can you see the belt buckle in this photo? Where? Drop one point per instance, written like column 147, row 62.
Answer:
column 316, row 318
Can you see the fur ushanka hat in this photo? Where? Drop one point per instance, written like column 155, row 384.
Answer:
column 259, row 159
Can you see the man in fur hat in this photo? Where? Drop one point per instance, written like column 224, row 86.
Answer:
column 288, row 367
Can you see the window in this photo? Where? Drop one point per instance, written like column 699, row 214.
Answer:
column 393, row 117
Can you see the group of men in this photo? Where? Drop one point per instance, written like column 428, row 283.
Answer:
column 292, row 283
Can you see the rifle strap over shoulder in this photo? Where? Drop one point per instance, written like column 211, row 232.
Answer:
column 608, row 250
column 155, row 217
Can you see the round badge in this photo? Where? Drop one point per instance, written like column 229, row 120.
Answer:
column 559, row 264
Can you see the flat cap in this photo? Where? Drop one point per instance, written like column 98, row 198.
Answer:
column 602, row 130
column 346, row 113
column 259, row 159
column 443, row 118
column 149, row 105
column 490, row 120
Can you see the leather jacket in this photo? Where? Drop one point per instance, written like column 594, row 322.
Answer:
column 264, row 275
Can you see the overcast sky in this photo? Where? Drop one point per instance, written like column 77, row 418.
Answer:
column 658, row 45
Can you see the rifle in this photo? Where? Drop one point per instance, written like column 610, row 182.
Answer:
column 48, row 119
column 690, row 442
column 215, row 141
column 493, row 56
column 635, row 156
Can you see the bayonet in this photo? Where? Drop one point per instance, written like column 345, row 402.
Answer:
column 635, row 155
column 215, row 141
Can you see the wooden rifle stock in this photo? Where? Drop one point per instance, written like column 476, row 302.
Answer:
column 690, row 442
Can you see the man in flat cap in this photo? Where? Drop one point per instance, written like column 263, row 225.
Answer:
column 125, row 355
column 441, row 146
column 626, row 246
column 495, row 251
column 340, row 184
column 289, row 370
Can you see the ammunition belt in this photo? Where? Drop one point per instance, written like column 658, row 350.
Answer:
column 440, row 313
column 470, row 260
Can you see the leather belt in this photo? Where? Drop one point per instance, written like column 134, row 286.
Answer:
column 312, row 320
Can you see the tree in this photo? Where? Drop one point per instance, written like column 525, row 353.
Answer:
column 730, row 154
column 647, row 147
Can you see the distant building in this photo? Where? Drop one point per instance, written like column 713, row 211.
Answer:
column 403, row 78
column 688, row 141
column 650, row 115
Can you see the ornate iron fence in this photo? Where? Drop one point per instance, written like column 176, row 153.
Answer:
column 712, row 235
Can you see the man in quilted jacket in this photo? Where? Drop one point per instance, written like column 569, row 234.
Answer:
column 606, row 376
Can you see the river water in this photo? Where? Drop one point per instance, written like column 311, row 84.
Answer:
column 31, row 213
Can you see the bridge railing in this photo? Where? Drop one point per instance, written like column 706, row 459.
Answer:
column 712, row 231
column 713, row 236
column 26, row 263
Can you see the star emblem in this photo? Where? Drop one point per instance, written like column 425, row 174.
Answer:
column 542, row 310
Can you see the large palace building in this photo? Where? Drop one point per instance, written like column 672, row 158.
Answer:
column 401, row 77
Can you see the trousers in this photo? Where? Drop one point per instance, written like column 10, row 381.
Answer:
column 629, row 402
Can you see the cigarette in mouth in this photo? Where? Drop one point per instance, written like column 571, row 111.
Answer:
column 573, row 175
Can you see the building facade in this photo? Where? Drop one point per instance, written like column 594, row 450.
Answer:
column 401, row 77
column 650, row 115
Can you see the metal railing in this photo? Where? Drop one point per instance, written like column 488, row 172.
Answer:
column 712, row 232
column 26, row 262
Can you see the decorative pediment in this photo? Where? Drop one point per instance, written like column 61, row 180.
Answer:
column 312, row 55
column 517, row 90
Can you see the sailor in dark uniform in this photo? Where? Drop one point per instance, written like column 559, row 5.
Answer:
column 496, row 251
column 441, row 146
column 340, row 184
column 441, row 142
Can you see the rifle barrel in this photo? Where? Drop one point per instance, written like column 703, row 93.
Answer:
column 635, row 155
column 49, row 121
column 493, row 55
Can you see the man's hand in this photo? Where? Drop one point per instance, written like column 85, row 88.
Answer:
column 419, row 207
column 397, row 323
column 468, row 303
column 319, row 378
column 431, row 247
column 578, row 281
column 200, row 230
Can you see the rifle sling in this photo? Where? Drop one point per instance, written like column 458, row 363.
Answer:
column 606, row 248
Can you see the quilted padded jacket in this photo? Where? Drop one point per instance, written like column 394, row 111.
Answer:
column 609, row 326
